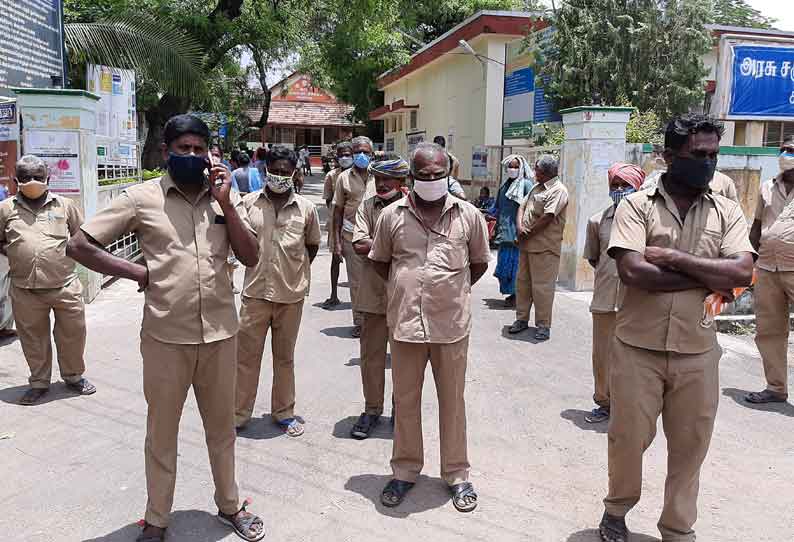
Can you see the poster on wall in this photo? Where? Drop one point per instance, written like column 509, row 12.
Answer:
column 9, row 142
column 763, row 82
column 61, row 152
column 479, row 161
column 116, row 117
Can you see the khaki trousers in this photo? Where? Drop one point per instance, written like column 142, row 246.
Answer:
column 535, row 282
column 257, row 316
column 773, row 293
column 353, row 264
column 603, row 335
column 448, row 362
column 168, row 372
column 374, row 343
column 32, row 311
column 684, row 389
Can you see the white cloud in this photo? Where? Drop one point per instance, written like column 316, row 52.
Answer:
column 778, row 9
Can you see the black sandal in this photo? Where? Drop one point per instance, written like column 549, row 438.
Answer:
column 766, row 396
column 244, row 523
column 613, row 529
column 82, row 387
column 394, row 492
column 464, row 499
column 149, row 537
column 365, row 424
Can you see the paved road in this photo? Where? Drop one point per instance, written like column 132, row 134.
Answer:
column 73, row 467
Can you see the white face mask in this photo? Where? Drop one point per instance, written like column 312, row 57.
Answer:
column 345, row 161
column 786, row 161
column 512, row 172
column 431, row 190
column 279, row 184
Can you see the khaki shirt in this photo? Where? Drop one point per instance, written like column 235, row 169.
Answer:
column 372, row 288
column 607, row 290
column 351, row 189
column 429, row 288
column 329, row 185
column 189, row 298
column 283, row 272
column 775, row 211
column 714, row 227
column 548, row 198
column 35, row 240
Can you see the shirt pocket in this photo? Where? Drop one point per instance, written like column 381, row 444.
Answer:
column 292, row 237
column 452, row 253
column 56, row 226
column 708, row 242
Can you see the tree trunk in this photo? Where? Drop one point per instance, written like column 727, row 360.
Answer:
column 152, row 156
column 261, row 70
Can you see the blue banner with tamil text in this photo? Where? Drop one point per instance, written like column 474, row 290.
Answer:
column 763, row 81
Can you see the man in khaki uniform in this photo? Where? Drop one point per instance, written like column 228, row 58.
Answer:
column 186, row 223
column 353, row 186
column 35, row 225
column 624, row 179
column 673, row 246
column 540, row 222
column 431, row 248
column 389, row 173
column 288, row 231
column 344, row 157
column 772, row 235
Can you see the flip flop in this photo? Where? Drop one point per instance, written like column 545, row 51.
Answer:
column 244, row 523
column 394, row 492
column 464, row 499
column 292, row 427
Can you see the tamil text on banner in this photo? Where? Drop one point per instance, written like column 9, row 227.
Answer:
column 763, row 82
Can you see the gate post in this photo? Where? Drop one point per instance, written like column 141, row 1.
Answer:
column 59, row 125
column 595, row 138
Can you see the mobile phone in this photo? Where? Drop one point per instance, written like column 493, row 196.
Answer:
column 212, row 162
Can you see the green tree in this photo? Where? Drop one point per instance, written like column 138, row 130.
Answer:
column 647, row 51
column 739, row 13
column 355, row 41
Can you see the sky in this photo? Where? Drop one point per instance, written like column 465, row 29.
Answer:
column 778, row 9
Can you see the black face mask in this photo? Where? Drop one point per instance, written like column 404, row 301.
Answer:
column 693, row 173
column 187, row 169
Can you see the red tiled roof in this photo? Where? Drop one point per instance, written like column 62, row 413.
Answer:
column 307, row 114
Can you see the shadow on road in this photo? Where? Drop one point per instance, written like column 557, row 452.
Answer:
column 356, row 362
column 343, row 332
column 263, row 428
column 344, row 306
column 498, row 305
column 427, row 494
column 57, row 392
column 591, row 535
column 384, row 430
column 527, row 336
column 787, row 409
column 576, row 417
column 185, row 526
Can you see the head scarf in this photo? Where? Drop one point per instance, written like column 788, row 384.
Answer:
column 632, row 174
column 396, row 169
column 526, row 175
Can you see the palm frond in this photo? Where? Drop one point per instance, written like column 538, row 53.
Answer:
column 153, row 47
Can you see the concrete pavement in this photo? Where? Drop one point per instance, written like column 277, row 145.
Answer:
column 73, row 467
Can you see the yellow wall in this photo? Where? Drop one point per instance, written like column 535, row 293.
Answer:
column 455, row 100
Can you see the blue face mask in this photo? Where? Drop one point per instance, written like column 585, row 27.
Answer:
column 618, row 195
column 187, row 169
column 361, row 160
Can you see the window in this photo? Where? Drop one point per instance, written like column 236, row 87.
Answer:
column 413, row 120
column 776, row 132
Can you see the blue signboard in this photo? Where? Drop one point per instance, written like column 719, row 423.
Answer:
column 519, row 82
column 763, row 81
column 544, row 109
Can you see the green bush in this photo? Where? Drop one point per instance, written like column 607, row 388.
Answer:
column 149, row 174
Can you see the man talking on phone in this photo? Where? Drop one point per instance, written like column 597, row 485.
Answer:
column 186, row 222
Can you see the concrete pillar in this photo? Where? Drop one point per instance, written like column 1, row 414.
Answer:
column 67, row 119
column 754, row 134
column 595, row 138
